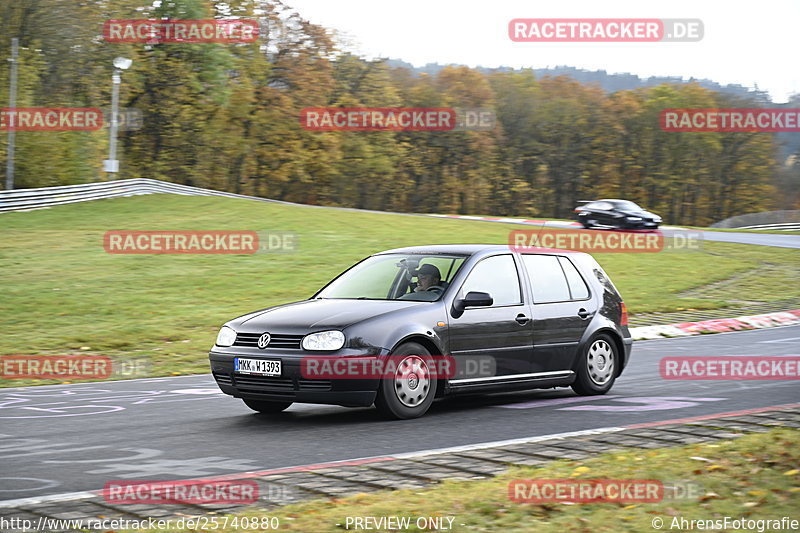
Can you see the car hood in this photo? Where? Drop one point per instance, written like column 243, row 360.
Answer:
column 318, row 315
column 638, row 213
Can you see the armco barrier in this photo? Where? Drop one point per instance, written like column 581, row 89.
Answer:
column 26, row 199
column 789, row 226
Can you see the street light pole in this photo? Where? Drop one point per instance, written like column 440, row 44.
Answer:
column 12, row 103
column 111, row 165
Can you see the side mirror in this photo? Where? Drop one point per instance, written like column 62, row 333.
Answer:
column 472, row 299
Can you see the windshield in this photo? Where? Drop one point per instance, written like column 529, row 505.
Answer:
column 416, row 277
column 630, row 206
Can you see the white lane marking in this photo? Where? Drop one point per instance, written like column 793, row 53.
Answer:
column 46, row 484
column 60, row 411
column 508, row 442
column 787, row 339
column 64, row 497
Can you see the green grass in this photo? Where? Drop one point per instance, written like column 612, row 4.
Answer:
column 63, row 294
column 753, row 477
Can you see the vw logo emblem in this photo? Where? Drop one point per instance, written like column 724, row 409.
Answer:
column 263, row 341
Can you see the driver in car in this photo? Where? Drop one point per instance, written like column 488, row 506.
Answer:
column 428, row 276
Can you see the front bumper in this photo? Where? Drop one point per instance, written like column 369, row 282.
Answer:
column 291, row 386
column 640, row 224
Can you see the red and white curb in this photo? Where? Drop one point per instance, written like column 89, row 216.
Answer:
column 719, row 325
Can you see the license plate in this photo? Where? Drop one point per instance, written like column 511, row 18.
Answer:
column 257, row 367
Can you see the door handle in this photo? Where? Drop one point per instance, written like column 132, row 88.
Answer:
column 583, row 313
column 522, row 319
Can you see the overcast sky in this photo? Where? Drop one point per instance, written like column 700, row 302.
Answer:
column 752, row 43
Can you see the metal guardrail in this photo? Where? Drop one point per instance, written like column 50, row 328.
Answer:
column 789, row 226
column 29, row 199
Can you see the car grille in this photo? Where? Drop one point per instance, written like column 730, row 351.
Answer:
column 224, row 379
column 313, row 384
column 277, row 340
column 263, row 382
column 248, row 383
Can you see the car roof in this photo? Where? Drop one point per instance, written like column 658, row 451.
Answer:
column 462, row 249
column 468, row 249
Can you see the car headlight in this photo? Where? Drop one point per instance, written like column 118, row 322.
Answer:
column 324, row 340
column 226, row 336
column 656, row 219
column 634, row 218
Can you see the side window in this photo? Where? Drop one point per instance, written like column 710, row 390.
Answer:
column 498, row 276
column 547, row 278
column 577, row 286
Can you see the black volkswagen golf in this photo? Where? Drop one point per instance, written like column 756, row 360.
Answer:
column 437, row 321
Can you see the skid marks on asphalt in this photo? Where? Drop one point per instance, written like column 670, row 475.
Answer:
column 90, row 400
column 614, row 403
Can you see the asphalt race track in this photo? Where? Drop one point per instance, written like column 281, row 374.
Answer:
column 69, row 438
column 763, row 239
column 777, row 240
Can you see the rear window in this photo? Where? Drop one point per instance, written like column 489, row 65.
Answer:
column 547, row 278
column 554, row 279
column 577, row 286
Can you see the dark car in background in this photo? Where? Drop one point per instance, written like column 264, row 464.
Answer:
column 617, row 214
column 510, row 321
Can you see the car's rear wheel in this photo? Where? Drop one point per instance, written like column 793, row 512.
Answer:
column 409, row 392
column 266, row 407
column 597, row 367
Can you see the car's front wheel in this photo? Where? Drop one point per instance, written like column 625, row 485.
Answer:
column 597, row 367
column 267, row 407
column 409, row 392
